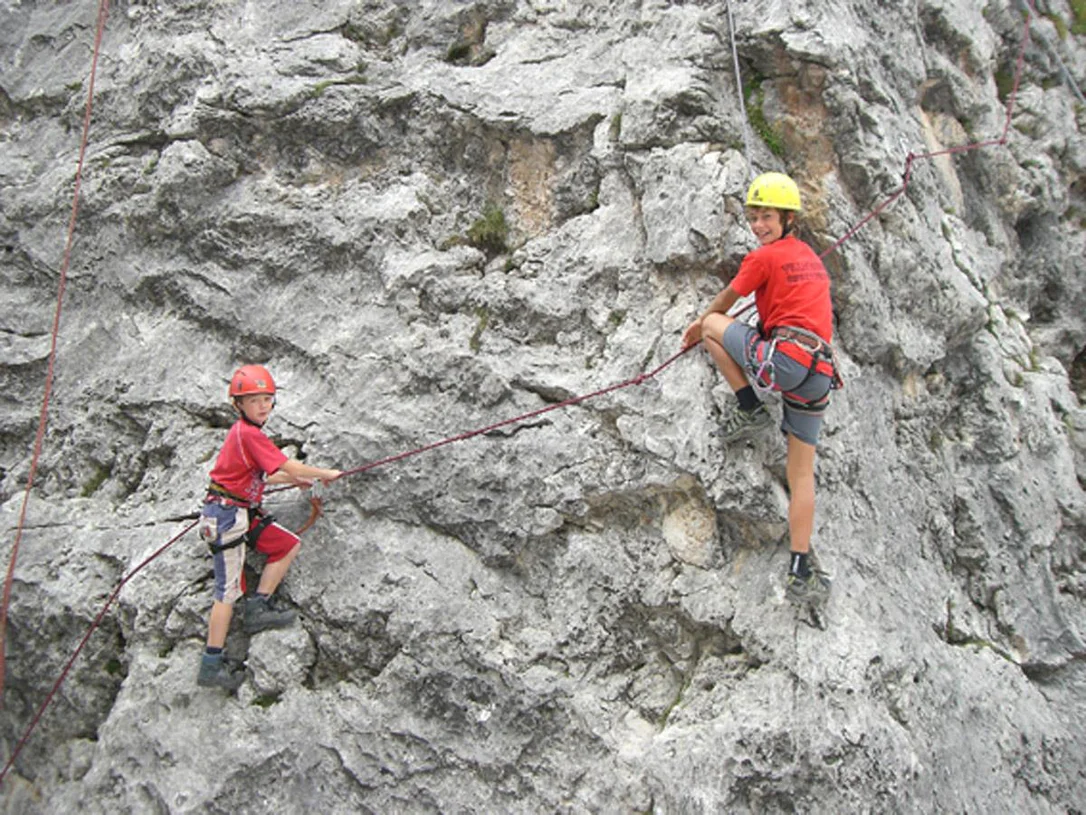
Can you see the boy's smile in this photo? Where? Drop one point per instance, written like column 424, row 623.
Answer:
column 765, row 223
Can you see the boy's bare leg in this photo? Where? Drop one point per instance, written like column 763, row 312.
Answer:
column 274, row 573
column 801, row 487
column 219, row 624
column 712, row 332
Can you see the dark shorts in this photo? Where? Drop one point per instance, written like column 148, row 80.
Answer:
column 745, row 345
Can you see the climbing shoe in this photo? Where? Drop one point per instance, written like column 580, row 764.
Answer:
column 743, row 424
column 262, row 613
column 218, row 672
column 813, row 589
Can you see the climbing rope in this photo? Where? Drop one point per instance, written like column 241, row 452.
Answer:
column 315, row 501
column 1067, row 77
column 79, row 648
column 740, row 95
column 39, row 436
column 912, row 158
column 573, row 400
column 316, row 509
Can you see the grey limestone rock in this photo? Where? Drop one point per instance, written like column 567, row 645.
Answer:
column 428, row 218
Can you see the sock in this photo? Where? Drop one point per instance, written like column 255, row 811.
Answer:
column 212, row 652
column 799, row 566
column 748, row 399
column 261, row 597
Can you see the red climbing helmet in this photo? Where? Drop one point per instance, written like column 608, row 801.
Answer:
column 250, row 379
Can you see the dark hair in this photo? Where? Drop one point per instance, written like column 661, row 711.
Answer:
column 788, row 220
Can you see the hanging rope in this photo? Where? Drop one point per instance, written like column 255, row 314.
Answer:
column 1069, row 80
column 79, row 648
column 740, row 95
column 39, row 436
column 316, row 509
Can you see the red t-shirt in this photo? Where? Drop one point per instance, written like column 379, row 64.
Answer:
column 246, row 458
column 791, row 288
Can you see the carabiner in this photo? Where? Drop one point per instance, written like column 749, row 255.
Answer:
column 766, row 370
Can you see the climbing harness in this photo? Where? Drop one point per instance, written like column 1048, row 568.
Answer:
column 220, row 494
column 219, row 541
column 822, row 354
column 263, row 521
column 235, row 509
column 820, row 351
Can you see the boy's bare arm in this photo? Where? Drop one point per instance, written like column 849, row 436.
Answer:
column 724, row 300
column 721, row 303
column 295, row 472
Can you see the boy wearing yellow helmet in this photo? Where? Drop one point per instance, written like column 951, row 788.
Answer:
column 790, row 353
column 231, row 517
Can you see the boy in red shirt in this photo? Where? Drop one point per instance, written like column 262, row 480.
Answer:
column 791, row 353
column 231, row 517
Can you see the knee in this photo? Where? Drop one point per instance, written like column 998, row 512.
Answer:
column 714, row 326
column 801, row 484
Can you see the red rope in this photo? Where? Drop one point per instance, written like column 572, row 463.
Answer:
column 43, row 417
column 906, row 175
column 79, row 648
column 574, row 400
column 637, row 380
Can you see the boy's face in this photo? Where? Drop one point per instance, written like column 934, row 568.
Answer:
column 766, row 223
column 256, row 407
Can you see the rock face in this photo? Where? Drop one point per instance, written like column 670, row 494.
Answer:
column 430, row 217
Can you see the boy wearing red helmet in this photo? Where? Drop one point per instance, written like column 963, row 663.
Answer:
column 231, row 517
column 791, row 353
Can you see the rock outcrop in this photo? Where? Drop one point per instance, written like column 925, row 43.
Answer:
column 430, row 217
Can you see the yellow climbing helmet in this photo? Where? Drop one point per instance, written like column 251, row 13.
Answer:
column 774, row 190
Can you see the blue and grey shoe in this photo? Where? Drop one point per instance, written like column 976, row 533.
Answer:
column 216, row 671
column 813, row 589
column 744, row 424
column 262, row 614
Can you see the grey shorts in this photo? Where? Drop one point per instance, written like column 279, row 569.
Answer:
column 745, row 345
